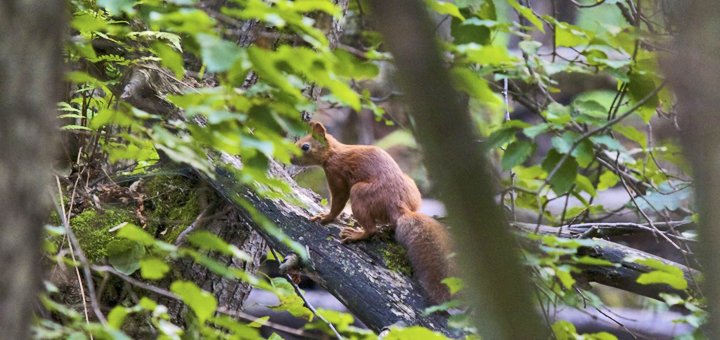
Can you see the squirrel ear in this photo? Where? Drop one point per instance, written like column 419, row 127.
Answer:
column 318, row 131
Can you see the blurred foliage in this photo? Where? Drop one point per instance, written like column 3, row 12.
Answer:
column 247, row 100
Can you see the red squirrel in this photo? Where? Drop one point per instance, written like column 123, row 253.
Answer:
column 379, row 193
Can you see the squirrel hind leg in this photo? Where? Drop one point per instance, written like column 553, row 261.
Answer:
column 366, row 230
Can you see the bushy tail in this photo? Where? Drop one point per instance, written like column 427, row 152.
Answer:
column 428, row 246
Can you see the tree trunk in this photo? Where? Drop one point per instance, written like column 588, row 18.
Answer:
column 693, row 72
column 497, row 286
column 30, row 65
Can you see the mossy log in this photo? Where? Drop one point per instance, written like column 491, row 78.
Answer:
column 357, row 274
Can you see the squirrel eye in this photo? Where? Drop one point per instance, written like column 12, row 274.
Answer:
column 305, row 147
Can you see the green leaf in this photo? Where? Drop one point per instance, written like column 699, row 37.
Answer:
column 75, row 127
column 446, row 8
column 259, row 322
column 137, row 234
column 454, row 284
column 591, row 107
column 530, row 46
column 608, row 179
column 611, row 143
column 563, row 274
column 169, row 58
column 564, row 330
column 467, row 31
column 632, row 134
column 289, row 300
column 569, row 35
column 584, row 153
column 342, row 321
column 171, row 38
column 566, row 174
column 87, row 22
column 117, row 315
column 475, row 86
column 584, row 184
column 557, row 113
column 117, row 7
column 528, row 14
column 147, row 304
column 153, row 268
column 499, row 138
column 672, row 299
column 516, row 153
column 124, row 255
column 663, row 273
column 641, row 86
column 306, row 6
column 189, row 21
column 536, row 130
column 218, row 54
column 486, row 55
column 675, row 281
column 349, row 65
column 264, row 63
column 209, row 241
column 202, row 303
column 562, row 144
column 413, row 332
column 593, row 261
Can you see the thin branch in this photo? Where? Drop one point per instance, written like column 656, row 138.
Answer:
column 83, row 260
column 579, row 5
column 134, row 282
column 305, row 300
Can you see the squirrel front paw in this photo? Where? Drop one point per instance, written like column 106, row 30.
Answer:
column 323, row 218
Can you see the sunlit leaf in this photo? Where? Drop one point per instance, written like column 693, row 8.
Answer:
column 153, row 268
column 202, row 303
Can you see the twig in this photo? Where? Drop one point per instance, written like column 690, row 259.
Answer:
column 647, row 218
column 579, row 5
column 305, row 300
column 83, row 261
column 180, row 240
column 512, row 173
column 134, row 282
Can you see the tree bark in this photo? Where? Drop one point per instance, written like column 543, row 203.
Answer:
column 30, row 65
column 693, row 72
column 497, row 286
column 625, row 272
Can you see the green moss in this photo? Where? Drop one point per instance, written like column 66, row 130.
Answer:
column 171, row 204
column 396, row 259
column 174, row 203
column 91, row 228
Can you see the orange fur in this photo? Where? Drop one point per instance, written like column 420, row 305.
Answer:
column 379, row 193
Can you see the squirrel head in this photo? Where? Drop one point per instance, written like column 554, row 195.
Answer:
column 314, row 147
